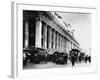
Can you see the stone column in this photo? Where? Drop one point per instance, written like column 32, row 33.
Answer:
column 66, row 44
column 54, row 39
column 38, row 33
column 71, row 45
column 26, row 34
column 57, row 41
column 63, row 43
column 45, row 35
column 60, row 42
column 50, row 33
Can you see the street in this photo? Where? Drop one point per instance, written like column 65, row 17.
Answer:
column 53, row 65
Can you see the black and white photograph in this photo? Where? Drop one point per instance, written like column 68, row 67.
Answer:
column 52, row 40
column 56, row 39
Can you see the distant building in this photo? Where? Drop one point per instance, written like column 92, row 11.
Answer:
column 44, row 29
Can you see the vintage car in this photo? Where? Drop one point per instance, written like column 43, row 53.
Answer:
column 87, row 58
column 40, row 57
column 34, row 55
column 82, row 57
column 59, row 58
column 74, row 53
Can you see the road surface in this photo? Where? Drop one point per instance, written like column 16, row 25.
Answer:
column 53, row 65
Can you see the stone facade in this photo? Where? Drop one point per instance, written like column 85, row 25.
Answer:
column 41, row 29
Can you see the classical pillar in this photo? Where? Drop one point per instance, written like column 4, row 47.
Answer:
column 60, row 42
column 38, row 33
column 71, row 45
column 45, row 35
column 26, row 34
column 63, row 43
column 54, row 39
column 66, row 46
column 50, row 33
column 57, row 41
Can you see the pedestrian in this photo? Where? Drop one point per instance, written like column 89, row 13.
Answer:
column 79, row 59
column 89, row 58
column 86, row 59
column 73, row 60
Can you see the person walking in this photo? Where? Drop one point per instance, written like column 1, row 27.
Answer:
column 73, row 60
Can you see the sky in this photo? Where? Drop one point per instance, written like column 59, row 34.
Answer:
column 81, row 23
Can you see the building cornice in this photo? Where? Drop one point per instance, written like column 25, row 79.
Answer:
column 62, row 26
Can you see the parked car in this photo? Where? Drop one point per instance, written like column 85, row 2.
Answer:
column 40, row 57
column 60, row 58
column 60, row 61
column 74, row 53
column 34, row 55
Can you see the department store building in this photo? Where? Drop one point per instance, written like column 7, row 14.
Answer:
column 47, row 30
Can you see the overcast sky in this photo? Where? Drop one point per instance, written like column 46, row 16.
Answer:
column 82, row 25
